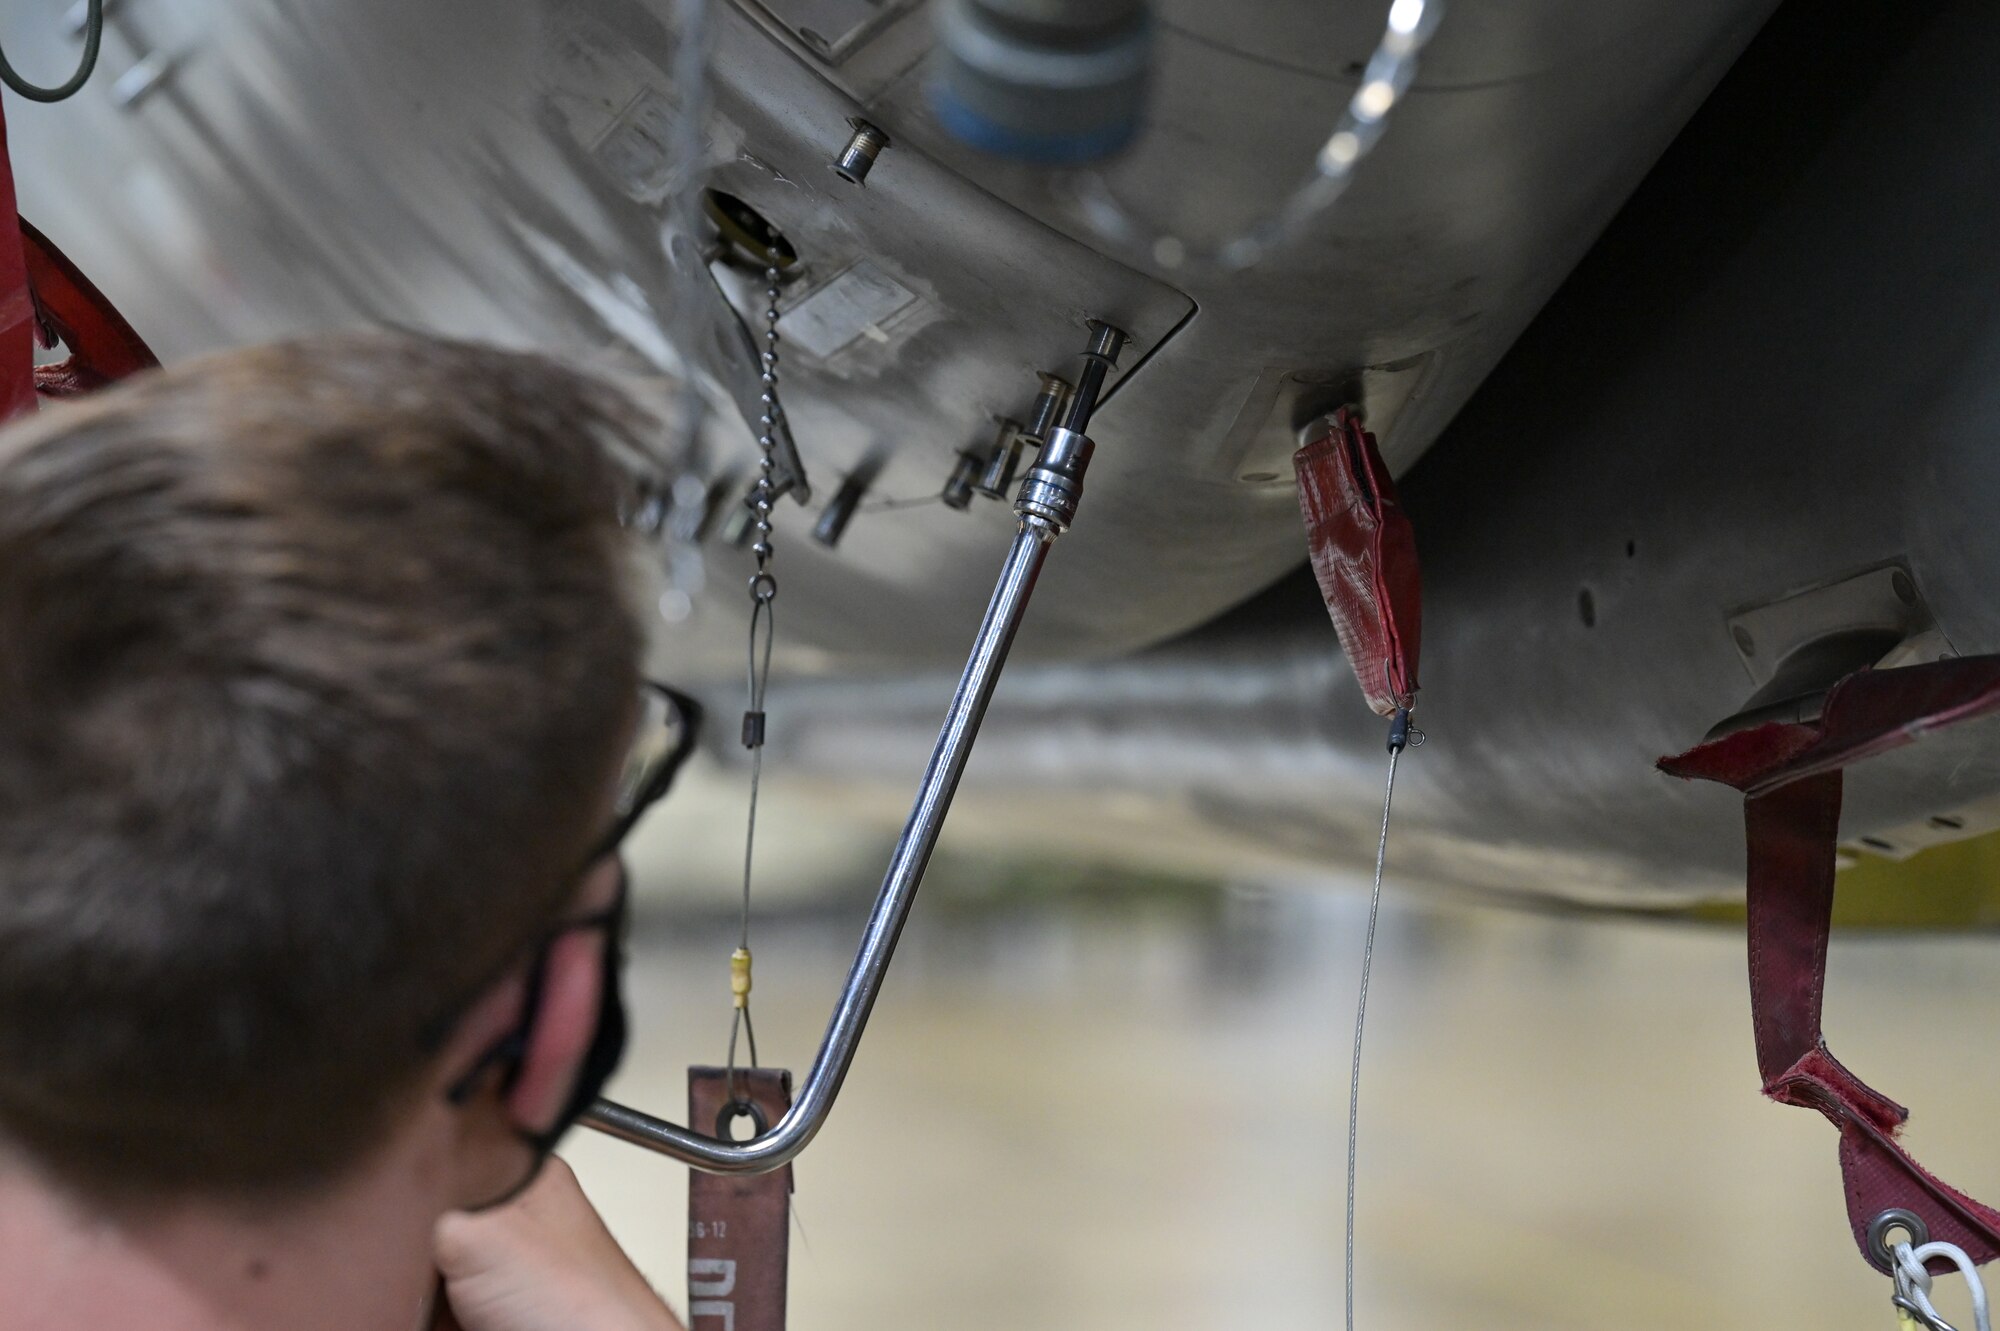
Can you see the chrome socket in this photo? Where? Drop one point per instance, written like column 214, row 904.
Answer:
column 1053, row 486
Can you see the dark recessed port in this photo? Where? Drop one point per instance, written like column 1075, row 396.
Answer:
column 1586, row 608
column 749, row 240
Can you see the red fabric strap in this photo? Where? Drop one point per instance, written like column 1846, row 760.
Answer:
column 17, row 308
column 739, row 1225
column 1364, row 555
column 43, row 297
column 1791, row 778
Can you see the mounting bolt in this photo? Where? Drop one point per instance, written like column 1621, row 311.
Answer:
column 857, row 159
column 958, row 488
column 1105, row 344
column 1001, row 462
column 846, row 500
column 1049, row 403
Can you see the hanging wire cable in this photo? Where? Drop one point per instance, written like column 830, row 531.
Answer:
column 1400, row 735
column 93, row 39
column 891, row 505
column 739, row 962
column 763, row 591
column 1387, row 76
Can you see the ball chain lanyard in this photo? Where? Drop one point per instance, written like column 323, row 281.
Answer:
column 739, row 1226
column 763, row 591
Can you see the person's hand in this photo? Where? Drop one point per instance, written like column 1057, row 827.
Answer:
column 544, row 1262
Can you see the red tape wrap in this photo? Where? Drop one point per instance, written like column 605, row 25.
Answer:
column 1364, row 555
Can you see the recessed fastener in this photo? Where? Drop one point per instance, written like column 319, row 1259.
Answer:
column 857, row 159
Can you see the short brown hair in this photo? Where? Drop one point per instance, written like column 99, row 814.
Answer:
column 314, row 664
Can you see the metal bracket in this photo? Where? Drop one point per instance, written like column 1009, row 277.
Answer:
column 1884, row 602
column 1795, row 647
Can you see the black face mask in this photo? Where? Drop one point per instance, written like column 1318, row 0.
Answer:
column 600, row 1060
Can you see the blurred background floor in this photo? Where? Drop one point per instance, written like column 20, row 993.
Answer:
column 1123, row 1107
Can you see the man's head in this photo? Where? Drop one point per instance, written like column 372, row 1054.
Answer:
column 315, row 673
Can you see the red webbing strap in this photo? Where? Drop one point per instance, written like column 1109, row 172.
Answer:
column 103, row 347
column 1364, row 555
column 1791, row 778
column 17, row 308
column 739, row 1225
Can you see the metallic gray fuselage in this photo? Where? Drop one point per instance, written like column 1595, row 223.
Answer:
column 1810, row 394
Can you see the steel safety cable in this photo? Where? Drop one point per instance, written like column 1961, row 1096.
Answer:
column 93, row 40
column 763, row 591
column 760, row 672
column 1401, row 735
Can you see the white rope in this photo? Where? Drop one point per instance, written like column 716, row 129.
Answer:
column 1913, row 1283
